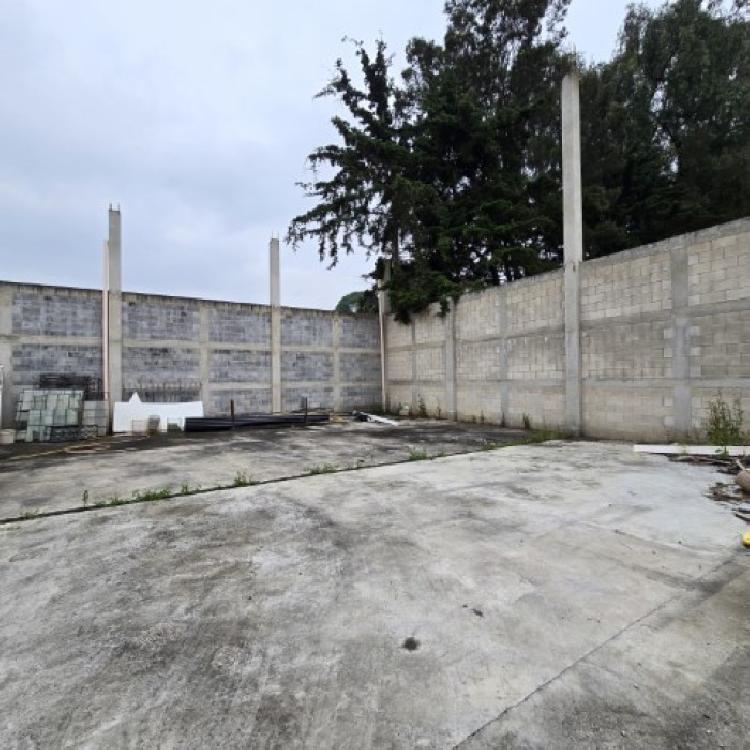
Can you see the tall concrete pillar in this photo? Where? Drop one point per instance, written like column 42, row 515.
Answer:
column 112, row 310
column 274, row 263
column 384, row 309
column 573, row 248
column 7, row 390
column 450, row 363
column 338, row 402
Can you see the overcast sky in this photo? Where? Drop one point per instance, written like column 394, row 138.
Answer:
column 196, row 118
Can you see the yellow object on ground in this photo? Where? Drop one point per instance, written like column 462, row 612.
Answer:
column 746, row 538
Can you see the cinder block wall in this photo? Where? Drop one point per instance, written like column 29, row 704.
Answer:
column 216, row 351
column 663, row 329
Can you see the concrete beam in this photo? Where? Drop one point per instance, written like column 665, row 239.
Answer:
column 573, row 248
column 275, row 293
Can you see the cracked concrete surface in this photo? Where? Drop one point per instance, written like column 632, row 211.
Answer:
column 562, row 595
column 39, row 478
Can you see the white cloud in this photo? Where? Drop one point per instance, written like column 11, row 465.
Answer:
column 196, row 117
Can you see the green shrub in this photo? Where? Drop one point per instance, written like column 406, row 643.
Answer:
column 724, row 424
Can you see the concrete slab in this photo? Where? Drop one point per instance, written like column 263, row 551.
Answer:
column 558, row 595
column 42, row 478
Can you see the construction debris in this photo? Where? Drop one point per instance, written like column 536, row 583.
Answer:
column 211, row 424
column 362, row 416
column 743, row 480
column 694, row 450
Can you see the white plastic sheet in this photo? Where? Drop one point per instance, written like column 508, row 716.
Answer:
column 135, row 409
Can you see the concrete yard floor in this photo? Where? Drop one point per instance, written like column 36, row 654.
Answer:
column 554, row 595
column 42, row 478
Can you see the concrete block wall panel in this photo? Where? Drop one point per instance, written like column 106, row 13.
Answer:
column 719, row 345
column 430, row 399
column 628, row 413
column 224, row 346
column 318, row 397
column 536, row 357
column 625, row 284
column 359, row 367
column 478, row 315
column 430, row 363
column 236, row 323
column 306, row 366
column 45, row 329
column 29, row 361
column 717, row 270
column 479, row 402
column 365, row 397
column 533, row 304
column 239, row 366
column 360, row 332
column 399, row 366
column 663, row 329
column 702, row 396
column 398, row 335
column 65, row 313
column 430, row 328
column 627, row 350
column 308, row 328
column 155, row 364
column 250, row 401
column 479, row 361
column 543, row 404
column 151, row 317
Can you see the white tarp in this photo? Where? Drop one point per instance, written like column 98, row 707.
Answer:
column 135, row 409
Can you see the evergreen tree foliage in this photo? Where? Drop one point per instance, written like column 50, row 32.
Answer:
column 452, row 170
column 358, row 302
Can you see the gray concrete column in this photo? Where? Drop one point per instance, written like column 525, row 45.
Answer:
column 502, row 325
column 682, row 395
column 414, row 406
column 337, row 400
column 112, row 309
column 573, row 248
column 450, row 363
column 384, row 309
column 274, row 268
column 204, row 339
column 8, row 395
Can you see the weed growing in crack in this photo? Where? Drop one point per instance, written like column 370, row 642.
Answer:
column 151, row 495
column 322, row 469
column 416, row 454
column 243, row 479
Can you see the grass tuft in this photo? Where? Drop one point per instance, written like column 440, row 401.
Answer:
column 322, row 469
column 243, row 479
column 417, row 454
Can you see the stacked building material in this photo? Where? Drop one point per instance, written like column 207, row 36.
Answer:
column 95, row 414
column 39, row 412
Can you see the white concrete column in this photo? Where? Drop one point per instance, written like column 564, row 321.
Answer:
column 449, row 351
column 573, row 248
column 7, row 391
column 338, row 402
column 112, row 309
column 204, row 339
column 384, row 309
column 274, row 267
